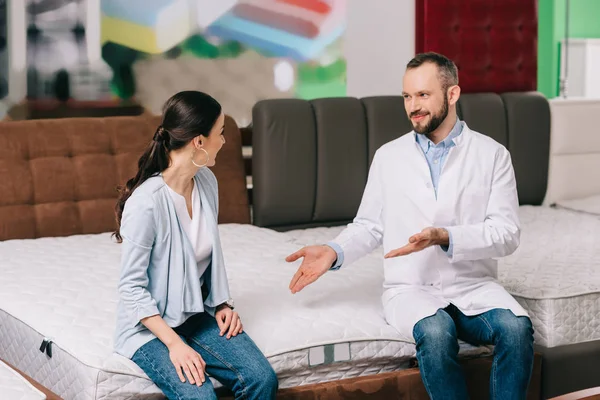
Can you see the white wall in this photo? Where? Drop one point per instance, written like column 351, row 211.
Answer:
column 584, row 63
column 378, row 43
column 92, row 32
column 17, row 41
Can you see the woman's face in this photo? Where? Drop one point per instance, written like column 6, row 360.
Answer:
column 212, row 144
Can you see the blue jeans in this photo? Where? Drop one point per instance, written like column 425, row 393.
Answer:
column 437, row 352
column 236, row 363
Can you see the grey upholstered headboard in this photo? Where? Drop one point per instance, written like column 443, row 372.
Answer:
column 311, row 158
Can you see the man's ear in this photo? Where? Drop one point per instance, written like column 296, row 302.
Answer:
column 453, row 94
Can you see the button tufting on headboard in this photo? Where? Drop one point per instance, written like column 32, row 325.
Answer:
column 59, row 177
column 493, row 42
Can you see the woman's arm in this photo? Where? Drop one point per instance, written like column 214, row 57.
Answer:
column 161, row 330
column 183, row 357
column 139, row 232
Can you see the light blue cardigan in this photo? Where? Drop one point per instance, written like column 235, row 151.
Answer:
column 159, row 274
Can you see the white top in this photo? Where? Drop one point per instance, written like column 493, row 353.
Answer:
column 195, row 228
column 476, row 202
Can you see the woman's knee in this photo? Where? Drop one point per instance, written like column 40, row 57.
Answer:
column 262, row 380
column 194, row 392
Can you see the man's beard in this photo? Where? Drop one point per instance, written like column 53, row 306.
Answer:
column 435, row 121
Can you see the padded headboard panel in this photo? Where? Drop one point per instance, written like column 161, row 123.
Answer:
column 59, row 177
column 575, row 150
column 493, row 42
column 311, row 158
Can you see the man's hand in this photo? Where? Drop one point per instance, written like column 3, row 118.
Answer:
column 317, row 261
column 427, row 237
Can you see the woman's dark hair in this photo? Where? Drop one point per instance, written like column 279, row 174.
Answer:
column 185, row 115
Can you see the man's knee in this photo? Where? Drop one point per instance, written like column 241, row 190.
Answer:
column 437, row 331
column 514, row 331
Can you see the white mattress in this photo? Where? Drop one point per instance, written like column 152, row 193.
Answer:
column 64, row 289
column 554, row 274
column 14, row 387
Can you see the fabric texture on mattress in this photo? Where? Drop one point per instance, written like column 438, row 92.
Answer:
column 64, row 289
column 554, row 274
column 65, row 374
column 14, row 387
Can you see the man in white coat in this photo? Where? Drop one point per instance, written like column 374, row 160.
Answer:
column 443, row 202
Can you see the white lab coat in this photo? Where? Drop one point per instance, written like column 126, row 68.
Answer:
column 476, row 202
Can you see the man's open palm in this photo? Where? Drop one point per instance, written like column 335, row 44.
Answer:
column 427, row 237
column 317, row 260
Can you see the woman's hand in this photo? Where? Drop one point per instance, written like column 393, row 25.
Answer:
column 228, row 321
column 185, row 358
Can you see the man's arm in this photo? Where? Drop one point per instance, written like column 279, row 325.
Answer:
column 358, row 239
column 499, row 234
column 365, row 233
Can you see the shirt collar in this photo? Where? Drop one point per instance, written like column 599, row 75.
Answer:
column 426, row 144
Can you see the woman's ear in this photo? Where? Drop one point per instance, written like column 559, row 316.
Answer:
column 197, row 142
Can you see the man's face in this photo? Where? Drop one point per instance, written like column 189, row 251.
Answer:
column 425, row 101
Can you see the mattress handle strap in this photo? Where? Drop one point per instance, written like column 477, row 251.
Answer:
column 45, row 347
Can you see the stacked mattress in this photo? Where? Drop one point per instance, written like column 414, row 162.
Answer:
column 62, row 291
column 14, row 387
column 555, row 274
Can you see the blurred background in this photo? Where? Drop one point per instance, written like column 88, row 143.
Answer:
column 136, row 53
column 61, row 58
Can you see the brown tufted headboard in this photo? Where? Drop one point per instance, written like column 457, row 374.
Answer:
column 59, row 177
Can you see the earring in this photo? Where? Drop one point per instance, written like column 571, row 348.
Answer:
column 207, row 158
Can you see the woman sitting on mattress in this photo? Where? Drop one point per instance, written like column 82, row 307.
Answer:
column 174, row 316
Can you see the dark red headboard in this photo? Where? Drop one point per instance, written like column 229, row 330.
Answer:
column 493, row 42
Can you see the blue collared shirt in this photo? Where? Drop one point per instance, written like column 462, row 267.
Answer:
column 436, row 155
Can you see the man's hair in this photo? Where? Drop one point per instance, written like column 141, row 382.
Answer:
column 448, row 73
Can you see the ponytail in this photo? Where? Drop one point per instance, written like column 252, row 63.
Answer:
column 154, row 160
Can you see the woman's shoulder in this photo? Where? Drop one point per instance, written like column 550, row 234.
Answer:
column 139, row 219
column 206, row 176
column 143, row 197
column 150, row 186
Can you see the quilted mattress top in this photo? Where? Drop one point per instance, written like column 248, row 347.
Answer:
column 65, row 288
